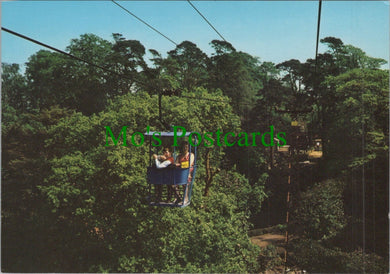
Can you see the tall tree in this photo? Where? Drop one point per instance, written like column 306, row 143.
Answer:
column 126, row 59
column 190, row 65
column 56, row 79
column 47, row 85
column 339, row 58
column 89, row 85
column 236, row 74
column 14, row 87
column 359, row 106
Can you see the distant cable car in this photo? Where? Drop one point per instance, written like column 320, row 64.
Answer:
column 172, row 182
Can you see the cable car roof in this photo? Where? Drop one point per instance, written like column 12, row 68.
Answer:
column 166, row 134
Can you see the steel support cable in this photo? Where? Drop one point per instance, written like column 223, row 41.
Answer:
column 208, row 22
column 67, row 54
column 211, row 25
column 139, row 19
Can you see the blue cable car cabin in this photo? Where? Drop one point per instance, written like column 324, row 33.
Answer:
column 171, row 186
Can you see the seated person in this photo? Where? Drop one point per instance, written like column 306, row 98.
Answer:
column 164, row 160
column 186, row 160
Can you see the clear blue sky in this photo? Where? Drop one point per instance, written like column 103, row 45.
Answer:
column 273, row 31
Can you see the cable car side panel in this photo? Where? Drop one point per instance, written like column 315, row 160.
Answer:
column 167, row 176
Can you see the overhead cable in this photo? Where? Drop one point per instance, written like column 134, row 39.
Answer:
column 139, row 19
column 206, row 20
column 95, row 65
column 63, row 52
column 318, row 30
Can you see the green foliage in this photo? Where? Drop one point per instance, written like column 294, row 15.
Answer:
column 81, row 206
column 200, row 115
column 55, row 79
column 347, row 57
column 236, row 74
column 314, row 257
column 247, row 197
column 88, row 86
column 337, row 60
column 194, row 239
column 25, row 215
column 127, row 59
column 47, row 84
column 361, row 112
column 14, row 87
column 269, row 258
column 99, row 192
column 319, row 213
column 188, row 65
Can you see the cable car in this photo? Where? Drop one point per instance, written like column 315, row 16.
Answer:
column 172, row 182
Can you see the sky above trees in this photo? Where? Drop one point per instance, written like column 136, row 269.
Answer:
column 273, row 31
